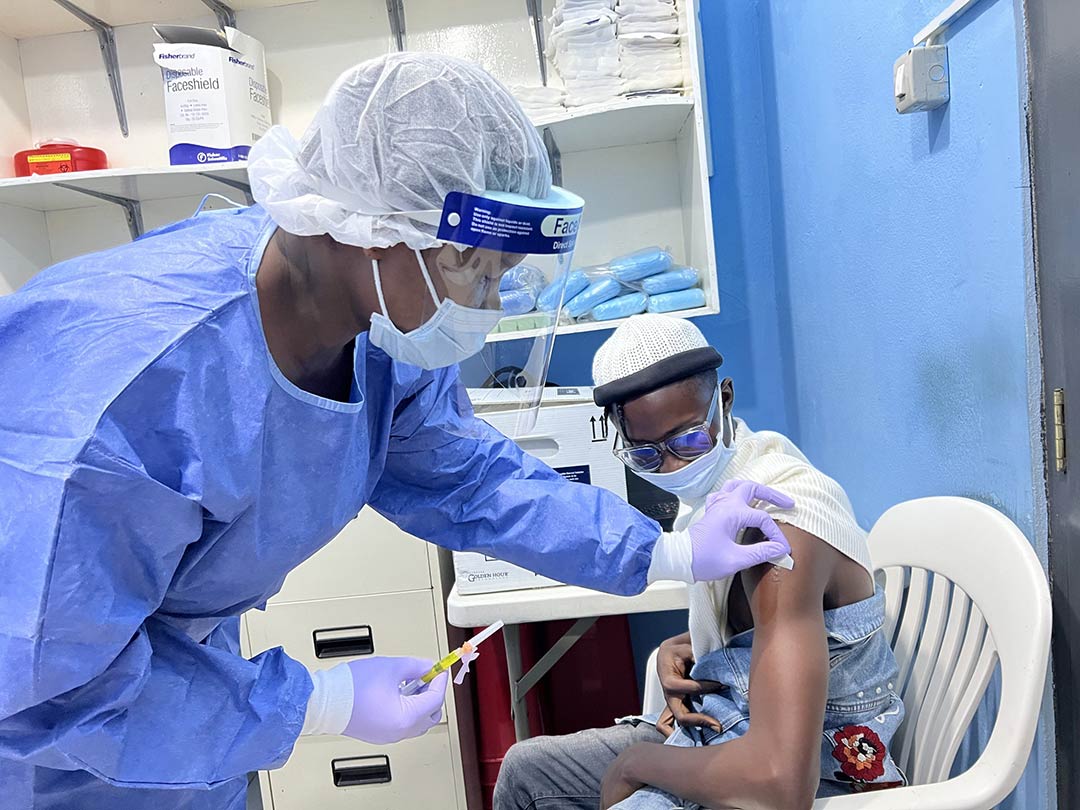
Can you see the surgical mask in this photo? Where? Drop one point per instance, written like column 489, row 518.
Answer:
column 697, row 479
column 454, row 333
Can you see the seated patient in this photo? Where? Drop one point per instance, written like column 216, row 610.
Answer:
column 791, row 692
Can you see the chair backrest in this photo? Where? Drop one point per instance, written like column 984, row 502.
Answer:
column 964, row 592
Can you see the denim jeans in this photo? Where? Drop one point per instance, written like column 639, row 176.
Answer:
column 862, row 713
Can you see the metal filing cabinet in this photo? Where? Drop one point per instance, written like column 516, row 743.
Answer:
column 373, row 590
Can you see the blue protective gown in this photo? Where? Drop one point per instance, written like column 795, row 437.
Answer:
column 159, row 476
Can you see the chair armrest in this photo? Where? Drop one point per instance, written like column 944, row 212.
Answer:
column 653, row 701
column 969, row 791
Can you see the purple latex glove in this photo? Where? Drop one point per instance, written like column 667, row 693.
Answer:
column 380, row 713
column 716, row 554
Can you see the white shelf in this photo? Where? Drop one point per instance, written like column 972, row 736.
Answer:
column 23, row 19
column 41, row 192
column 590, row 326
column 618, row 123
column 559, row 602
column 621, row 122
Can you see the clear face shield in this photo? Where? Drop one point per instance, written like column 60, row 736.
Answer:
column 503, row 264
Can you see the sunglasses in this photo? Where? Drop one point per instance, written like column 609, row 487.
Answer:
column 687, row 445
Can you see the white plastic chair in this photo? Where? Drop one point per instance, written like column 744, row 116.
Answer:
column 964, row 592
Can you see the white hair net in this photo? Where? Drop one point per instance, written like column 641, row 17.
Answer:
column 397, row 133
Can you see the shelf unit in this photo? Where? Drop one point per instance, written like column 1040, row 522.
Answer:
column 587, row 326
column 625, row 127
column 641, row 165
column 57, row 192
column 598, row 126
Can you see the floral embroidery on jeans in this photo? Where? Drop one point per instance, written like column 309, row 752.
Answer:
column 860, row 752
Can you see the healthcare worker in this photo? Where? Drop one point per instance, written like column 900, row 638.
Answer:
column 188, row 417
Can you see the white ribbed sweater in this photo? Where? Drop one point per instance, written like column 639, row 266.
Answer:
column 821, row 508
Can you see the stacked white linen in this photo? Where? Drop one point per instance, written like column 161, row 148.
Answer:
column 540, row 103
column 584, row 50
column 647, row 17
column 650, row 56
column 604, row 49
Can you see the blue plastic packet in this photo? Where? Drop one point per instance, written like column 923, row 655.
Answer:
column 519, row 287
column 640, row 264
column 517, row 302
column 601, row 290
column 521, row 277
column 672, row 301
column 682, row 278
column 573, row 282
column 622, row 307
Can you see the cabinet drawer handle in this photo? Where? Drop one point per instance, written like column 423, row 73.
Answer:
column 340, row 642
column 361, row 771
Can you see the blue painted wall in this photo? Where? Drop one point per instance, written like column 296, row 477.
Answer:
column 906, row 278
column 875, row 268
column 751, row 331
column 903, row 266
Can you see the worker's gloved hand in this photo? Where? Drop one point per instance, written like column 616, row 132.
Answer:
column 362, row 699
column 716, row 554
column 709, row 550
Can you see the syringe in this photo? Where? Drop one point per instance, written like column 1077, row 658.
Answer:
column 443, row 664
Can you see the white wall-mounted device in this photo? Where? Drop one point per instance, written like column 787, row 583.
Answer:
column 921, row 79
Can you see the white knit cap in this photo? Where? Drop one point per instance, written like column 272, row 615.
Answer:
column 640, row 342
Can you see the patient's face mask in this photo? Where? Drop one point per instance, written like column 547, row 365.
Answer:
column 694, row 481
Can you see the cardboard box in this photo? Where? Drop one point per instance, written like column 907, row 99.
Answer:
column 216, row 99
column 573, row 437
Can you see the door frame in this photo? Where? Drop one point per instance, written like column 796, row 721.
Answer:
column 1053, row 129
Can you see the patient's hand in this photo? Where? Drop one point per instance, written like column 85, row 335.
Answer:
column 618, row 784
column 673, row 665
column 665, row 723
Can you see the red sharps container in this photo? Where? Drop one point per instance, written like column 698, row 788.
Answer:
column 59, row 157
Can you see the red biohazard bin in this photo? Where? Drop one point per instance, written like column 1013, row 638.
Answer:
column 59, row 157
column 589, row 687
column 494, row 723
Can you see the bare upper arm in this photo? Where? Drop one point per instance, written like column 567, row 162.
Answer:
column 773, row 591
column 777, row 763
column 789, row 669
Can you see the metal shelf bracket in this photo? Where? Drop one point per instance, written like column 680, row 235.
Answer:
column 554, row 156
column 226, row 17
column 395, row 10
column 536, row 12
column 132, row 208
column 107, row 43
